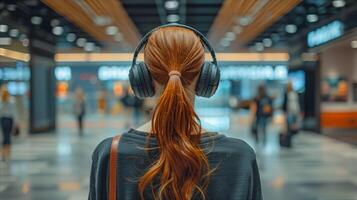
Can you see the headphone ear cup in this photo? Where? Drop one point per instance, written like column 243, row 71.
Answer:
column 141, row 81
column 208, row 80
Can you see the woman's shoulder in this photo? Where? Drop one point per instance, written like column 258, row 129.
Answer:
column 102, row 149
column 126, row 147
column 237, row 147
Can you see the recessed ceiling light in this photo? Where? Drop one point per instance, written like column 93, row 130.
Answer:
column 55, row 22
column 37, row 20
column 338, row 3
column 312, row 18
column 275, row 37
column 102, row 20
column 244, row 21
column 11, row 7
column 291, row 28
column 81, row 42
column 111, row 30
column 259, row 46
column 354, row 44
column 22, row 37
column 171, row 5
column 71, row 37
column 14, row 32
column 237, row 29
column 58, row 30
column 230, row 36
column 25, row 42
column 118, row 37
column 5, row 40
column 3, row 28
column 225, row 42
column 89, row 46
column 173, row 18
column 267, row 42
column 97, row 49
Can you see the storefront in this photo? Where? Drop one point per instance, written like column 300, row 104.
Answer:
column 15, row 79
column 334, row 44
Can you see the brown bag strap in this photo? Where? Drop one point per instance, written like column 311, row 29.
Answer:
column 113, row 162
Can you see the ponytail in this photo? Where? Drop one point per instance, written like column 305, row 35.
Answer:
column 182, row 165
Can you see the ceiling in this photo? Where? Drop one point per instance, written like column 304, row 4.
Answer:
column 322, row 9
column 19, row 15
column 230, row 25
column 148, row 14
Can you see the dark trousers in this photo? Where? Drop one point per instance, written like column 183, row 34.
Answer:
column 260, row 128
column 6, row 127
column 80, row 122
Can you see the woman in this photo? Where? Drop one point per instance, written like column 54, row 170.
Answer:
column 171, row 156
column 7, row 120
column 79, row 108
column 293, row 115
column 261, row 112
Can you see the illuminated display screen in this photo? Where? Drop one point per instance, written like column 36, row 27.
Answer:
column 18, row 73
column 230, row 72
column 325, row 33
column 254, row 72
column 113, row 73
column 298, row 80
column 63, row 73
column 17, row 88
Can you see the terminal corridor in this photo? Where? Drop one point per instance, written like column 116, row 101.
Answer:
column 281, row 75
column 58, row 165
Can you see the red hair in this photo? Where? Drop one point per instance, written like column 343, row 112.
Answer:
column 182, row 168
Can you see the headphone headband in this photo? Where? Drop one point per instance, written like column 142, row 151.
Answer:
column 204, row 40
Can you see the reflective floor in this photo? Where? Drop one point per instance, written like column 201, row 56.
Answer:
column 56, row 166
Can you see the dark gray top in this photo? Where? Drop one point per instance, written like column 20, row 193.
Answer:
column 236, row 176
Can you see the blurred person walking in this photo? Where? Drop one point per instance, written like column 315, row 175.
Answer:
column 79, row 108
column 134, row 104
column 292, row 115
column 8, row 121
column 261, row 112
column 102, row 102
column 171, row 157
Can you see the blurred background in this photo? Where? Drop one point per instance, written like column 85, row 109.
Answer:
column 64, row 87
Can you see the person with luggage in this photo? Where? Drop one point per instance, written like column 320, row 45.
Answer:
column 79, row 108
column 292, row 115
column 8, row 122
column 261, row 112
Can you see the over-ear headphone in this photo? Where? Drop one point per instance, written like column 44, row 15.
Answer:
column 141, row 80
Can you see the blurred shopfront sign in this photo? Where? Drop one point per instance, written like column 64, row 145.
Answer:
column 17, row 88
column 254, row 72
column 63, row 73
column 18, row 73
column 106, row 73
column 16, row 78
column 325, row 33
column 228, row 72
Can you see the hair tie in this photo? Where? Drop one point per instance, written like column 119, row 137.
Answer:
column 175, row 73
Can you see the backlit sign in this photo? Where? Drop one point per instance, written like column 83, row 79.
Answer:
column 325, row 33
column 63, row 73
column 18, row 73
column 230, row 72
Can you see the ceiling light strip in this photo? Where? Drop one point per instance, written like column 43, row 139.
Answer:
column 127, row 57
column 16, row 55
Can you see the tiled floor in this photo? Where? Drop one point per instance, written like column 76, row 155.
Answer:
column 56, row 166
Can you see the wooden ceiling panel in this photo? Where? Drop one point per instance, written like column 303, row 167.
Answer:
column 261, row 13
column 226, row 17
column 75, row 14
column 269, row 14
column 83, row 13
